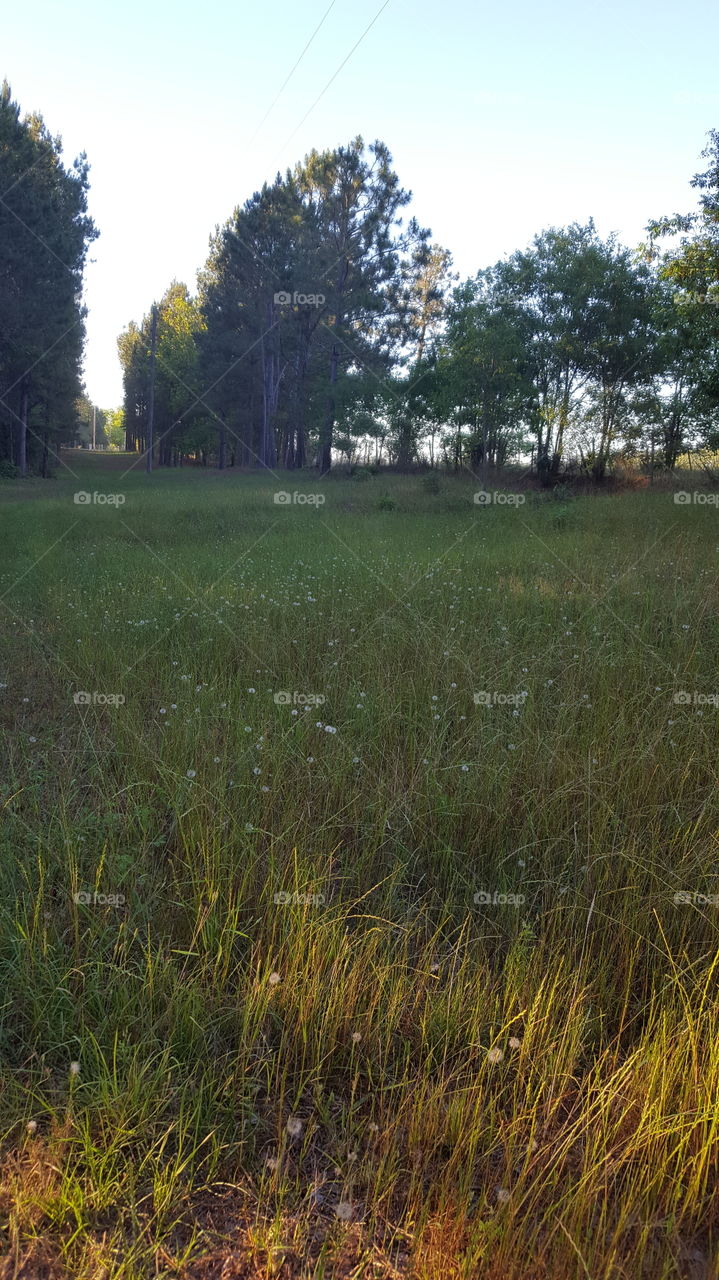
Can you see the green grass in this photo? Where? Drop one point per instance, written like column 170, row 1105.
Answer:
column 206, row 1010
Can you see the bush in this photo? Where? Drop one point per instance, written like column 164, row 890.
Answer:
column 386, row 503
column 8, row 470
column 431, row 484
column 562, row 492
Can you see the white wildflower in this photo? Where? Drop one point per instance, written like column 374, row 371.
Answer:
column 294, row 1127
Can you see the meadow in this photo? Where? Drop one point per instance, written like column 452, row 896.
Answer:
column 359, row 918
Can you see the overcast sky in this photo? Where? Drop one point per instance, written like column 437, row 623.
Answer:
column 502, row 119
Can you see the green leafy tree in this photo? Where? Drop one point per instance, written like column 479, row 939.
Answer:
column 115, row 428
column 691, row 266
column 418, row 298
column 551, row 286
column 622, row 348
column 178, row 403
column 483, row 376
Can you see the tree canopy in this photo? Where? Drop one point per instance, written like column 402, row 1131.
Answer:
column 45, row 233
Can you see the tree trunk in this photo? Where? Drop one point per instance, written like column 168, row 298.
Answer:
column 22, row 434
column 297, row 448
column 325, row 450
column 406, row 443
column 327, row 427
column 270, row 390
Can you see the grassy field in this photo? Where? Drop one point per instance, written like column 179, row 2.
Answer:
column 411, row 972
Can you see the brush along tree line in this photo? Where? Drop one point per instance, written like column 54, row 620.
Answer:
column 324, row 326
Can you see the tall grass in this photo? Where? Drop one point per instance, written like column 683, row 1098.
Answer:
column 398, row 984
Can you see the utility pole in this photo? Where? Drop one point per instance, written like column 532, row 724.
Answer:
column 94, row 411
column 151, row 403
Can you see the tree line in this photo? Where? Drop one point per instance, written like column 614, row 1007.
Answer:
column 322, row 327
column 325, row 325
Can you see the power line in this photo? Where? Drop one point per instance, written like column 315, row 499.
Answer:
column 292, row 72
column 334, row 77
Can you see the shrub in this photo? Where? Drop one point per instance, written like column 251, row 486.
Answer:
column 431, row 484
column 562, row 492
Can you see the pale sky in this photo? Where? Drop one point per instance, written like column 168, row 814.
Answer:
column 502, row 119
